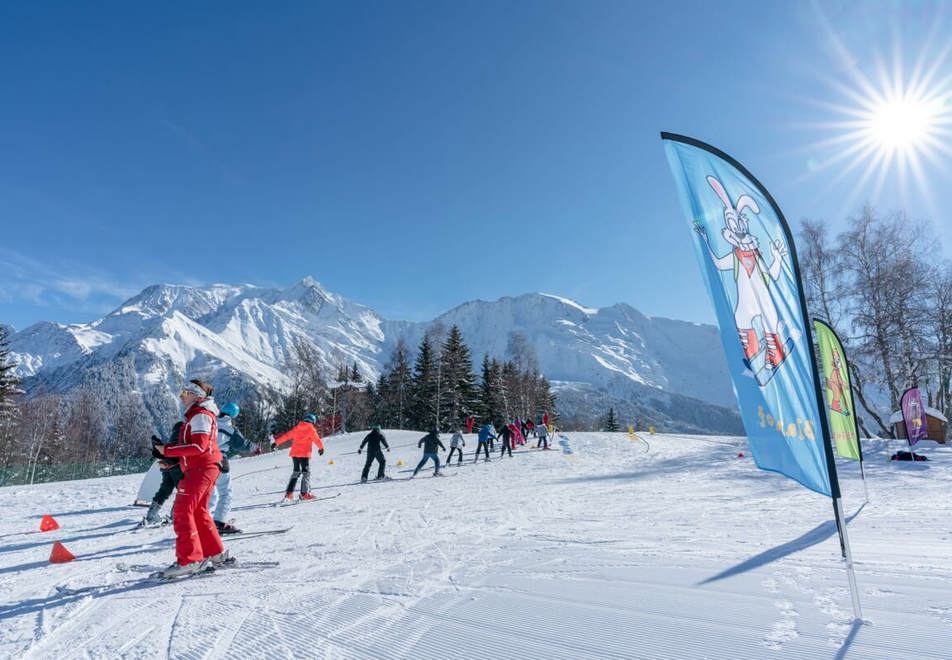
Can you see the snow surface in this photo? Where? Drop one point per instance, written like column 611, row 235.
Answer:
column 681, row 551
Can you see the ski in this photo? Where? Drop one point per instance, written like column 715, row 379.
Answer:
column 253, row 533
column 229, row 564
column 300, row 501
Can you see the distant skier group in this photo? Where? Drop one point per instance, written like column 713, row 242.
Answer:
column 193, row 461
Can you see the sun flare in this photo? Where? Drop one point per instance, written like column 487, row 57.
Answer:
column 903, row 123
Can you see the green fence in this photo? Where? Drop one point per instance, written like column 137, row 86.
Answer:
column 17, row 475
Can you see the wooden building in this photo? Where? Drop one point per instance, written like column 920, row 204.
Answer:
column 936, row 425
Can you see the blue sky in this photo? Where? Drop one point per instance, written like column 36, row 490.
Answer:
column 414, row 155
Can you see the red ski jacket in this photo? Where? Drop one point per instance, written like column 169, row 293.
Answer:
column 198, row 437
column 302, row 436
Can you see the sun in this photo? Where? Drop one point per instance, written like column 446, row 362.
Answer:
column 888, row 123
column 905, row 123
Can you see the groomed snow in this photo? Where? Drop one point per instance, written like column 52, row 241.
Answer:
column 683, row 551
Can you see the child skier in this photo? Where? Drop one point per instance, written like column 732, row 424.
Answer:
column 506, row 434
column 543, row 436
column 430, row 442
column 486, row 436
column 456, row 445
column 301, row 436
column 372, row 441
column 230, row 443
column 196, row 538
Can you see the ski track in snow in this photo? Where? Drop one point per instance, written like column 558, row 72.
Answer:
column 684, row 551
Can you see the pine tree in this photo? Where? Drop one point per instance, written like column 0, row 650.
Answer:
column 9, row 383
column 394, row 388
column 458, row 397
column 611, row 424
column 425, row 387
column 486, row 391
column 9, row 391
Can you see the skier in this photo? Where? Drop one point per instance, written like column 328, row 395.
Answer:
column 230, row 442
column 372, row 441
column 470, row 422
column 506, row 435
column 531, row 428
column 485, row 437
column 456, row 444
column 517, row 438
column 301, row 436
column 523, row 430
column 197, row 542
column 171, row 475
column 543, row 433
column 430, row 442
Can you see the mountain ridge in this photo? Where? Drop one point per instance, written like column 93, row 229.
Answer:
column 244, row 333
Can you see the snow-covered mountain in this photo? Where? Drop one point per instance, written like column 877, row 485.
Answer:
column 241, row 335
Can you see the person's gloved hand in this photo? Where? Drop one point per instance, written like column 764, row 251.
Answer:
column 156, row 440
column 358, row 451
column 320, row 452
column 388, row 450
column 273, row 446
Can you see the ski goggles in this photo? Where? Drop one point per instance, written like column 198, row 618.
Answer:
column 192, row 388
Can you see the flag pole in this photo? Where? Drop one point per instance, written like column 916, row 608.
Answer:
column 828, row 441
column 848, row 557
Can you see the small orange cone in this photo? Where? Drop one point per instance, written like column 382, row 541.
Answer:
column 60, row 555
column 47, row 524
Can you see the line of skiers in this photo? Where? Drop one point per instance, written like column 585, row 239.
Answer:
column 194, row 462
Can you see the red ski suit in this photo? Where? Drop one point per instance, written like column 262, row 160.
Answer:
column 196, row 537
column 302, row 436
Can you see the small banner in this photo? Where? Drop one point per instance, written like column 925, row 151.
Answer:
column 839, row 395
column 913, row 415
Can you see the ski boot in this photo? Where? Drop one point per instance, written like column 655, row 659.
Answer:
column 307, row 496
column 223, row 557
column 226, row 528
column 152, row 516
column 176, row 571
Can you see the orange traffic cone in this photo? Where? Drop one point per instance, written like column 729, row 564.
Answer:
column 60, row 555
column 47, row 524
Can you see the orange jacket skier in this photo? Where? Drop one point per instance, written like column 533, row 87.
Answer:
column 302, row 437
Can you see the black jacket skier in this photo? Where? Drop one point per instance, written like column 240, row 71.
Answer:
column 430, row 442
column 372, row 441
column 506, row 436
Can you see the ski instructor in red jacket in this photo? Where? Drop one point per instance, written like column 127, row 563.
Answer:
column 196, row 539
column 301, row 436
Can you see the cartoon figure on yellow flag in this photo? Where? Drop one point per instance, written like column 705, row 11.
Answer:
column 837, row 385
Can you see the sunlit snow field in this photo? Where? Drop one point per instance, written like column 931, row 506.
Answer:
column 681, row 551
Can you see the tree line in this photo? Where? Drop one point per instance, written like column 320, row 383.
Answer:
column 886, row 289
column 437, row 386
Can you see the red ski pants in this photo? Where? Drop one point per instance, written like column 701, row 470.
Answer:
column 196, row 537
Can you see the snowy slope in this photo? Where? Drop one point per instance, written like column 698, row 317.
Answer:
column 683, row 551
